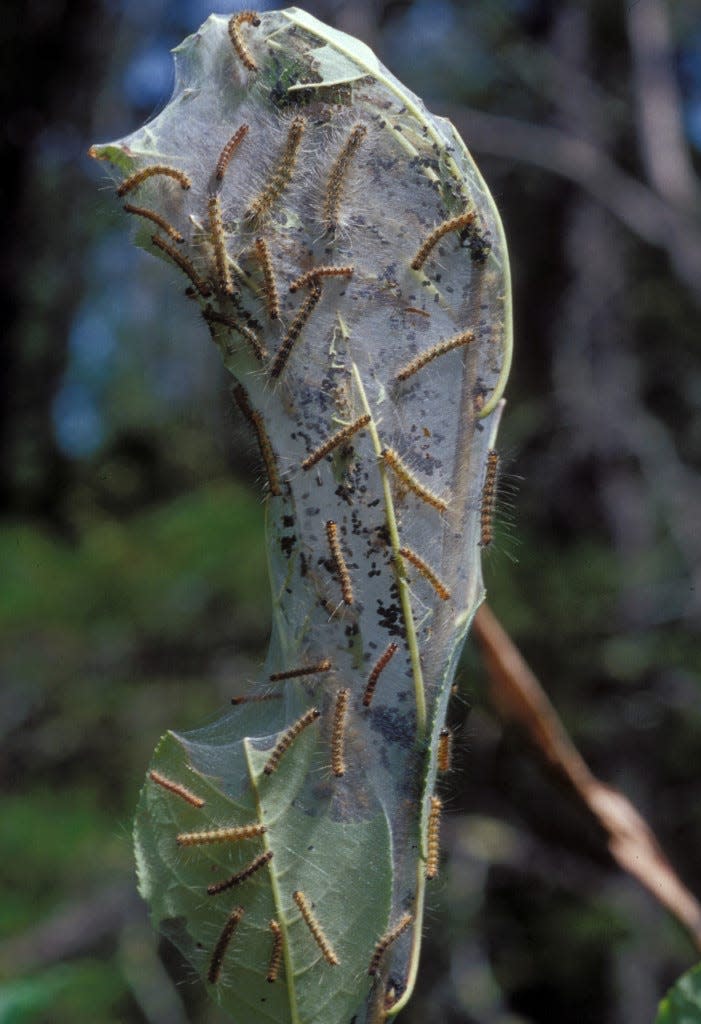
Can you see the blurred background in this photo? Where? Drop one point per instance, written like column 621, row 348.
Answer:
column 133, row 593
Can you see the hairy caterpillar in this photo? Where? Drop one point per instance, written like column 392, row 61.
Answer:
column 339, row 438
column 337, row 176
column 377, row 670
column 288, row 737
column 315, row 928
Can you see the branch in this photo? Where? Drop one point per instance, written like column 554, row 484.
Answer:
column 519, row 697
column 663, row 146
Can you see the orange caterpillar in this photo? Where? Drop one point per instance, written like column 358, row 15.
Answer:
column 338, row 764
column 433, row 840
column 228, row 151
column 339, row 561
column 440, row 349
column 489, row 494
column 387, row 939
column 138, row 177
column 315, row 928
column 202, row 286
column 218, row 241
column 156, row 219
column 276, row 955
column 288, row 737
column 335, row 440
column 280, row 177
column 255, row 698
column 212, row 316
column 175, row 787
column 408, row 478
column 271, row 296
column 235, row 21
column 304, row 670
column 339, row 170
column 316, row 272
column 221, row 835
column 294, row 331
column 445, row 750
column 266, row 448
column 463, row 220
column 427, row 572
column 379, row 667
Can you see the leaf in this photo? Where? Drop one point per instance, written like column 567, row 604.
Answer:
column 351, row 266
column 333, row 68
column 682, row 1004
column 345, row 866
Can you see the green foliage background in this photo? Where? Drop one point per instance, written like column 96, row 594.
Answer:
column 133, row 592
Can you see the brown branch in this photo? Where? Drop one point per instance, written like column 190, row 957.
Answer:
column 518, row 697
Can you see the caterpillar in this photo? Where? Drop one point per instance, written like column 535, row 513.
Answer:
column 315, row 928
column 213, row 316
column 386, row 941
column 378, row 668
column 266, row 448
column 276, row 954
column 304, row 670
column 339, row 561
column 271, row 295
column 155, row 218
column 409, row 480
column 339, row 438
column 221, row 835
column 463, row 220
column 294, row 331
column 187, row 267
column 217, row 228
column 337, row 176
column 432, row 353
column 236, row 20
column 489, row 494
column 280, row 178
column 316, row 272
column 433, row 839
column 241, row 876
column 288, row 737
column 445, row 750
column 175, row 787
column 217, row 961
column 427, row 572
column 338, row 764
column 228, row 151
column 139, row 177
column 256, row 698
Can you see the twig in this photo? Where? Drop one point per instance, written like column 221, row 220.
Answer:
column 519, row 697
column 663, row 147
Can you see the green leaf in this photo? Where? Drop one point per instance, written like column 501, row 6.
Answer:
column 682, row 1004
column 340, row 861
